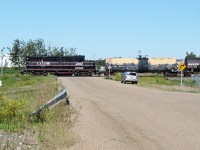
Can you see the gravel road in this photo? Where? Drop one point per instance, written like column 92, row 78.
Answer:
column 115, row 116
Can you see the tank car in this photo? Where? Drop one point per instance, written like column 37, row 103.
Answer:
column 121, row 64
column 192, row 66
column 141, row 64
column 162, row 64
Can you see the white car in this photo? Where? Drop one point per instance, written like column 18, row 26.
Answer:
column 129, row 77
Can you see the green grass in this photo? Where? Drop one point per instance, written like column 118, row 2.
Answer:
column 150, row 81
column 164, row 83
column 171, row 84
column 21, row 95
column 12, row 79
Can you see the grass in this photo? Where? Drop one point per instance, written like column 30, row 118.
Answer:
column 20, row 95
column 57, row 133
column 169, row 84
column 164, row 83
column 13, row 80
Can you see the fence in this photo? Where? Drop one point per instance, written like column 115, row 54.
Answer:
column 196, row 78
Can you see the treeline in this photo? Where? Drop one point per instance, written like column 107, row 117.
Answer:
column 191, row 55
column 21, row 49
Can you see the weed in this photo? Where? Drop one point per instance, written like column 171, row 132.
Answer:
column 118, row 76
column 12, row 113
column 53, row 132
column 171, row 84
column 23, row 94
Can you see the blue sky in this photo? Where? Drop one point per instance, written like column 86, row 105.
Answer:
column 106, row 28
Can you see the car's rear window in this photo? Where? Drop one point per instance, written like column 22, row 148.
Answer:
column 133, row 74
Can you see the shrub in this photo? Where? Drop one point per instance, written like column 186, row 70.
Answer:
column 12, row 113
column 118, row 76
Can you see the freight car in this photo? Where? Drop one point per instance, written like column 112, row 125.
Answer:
column 168, row 66
column 63, row 65
column 192, row 66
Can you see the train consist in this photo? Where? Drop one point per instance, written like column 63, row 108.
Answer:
column 167, row 66
column 65, row 65
column 78, row 66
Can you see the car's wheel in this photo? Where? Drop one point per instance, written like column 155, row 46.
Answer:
column 136, row 82
column 121, row 81
column 133, row 82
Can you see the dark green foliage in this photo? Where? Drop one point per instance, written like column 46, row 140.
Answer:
column 118, row 76
column 190, row 55
column 17, row 52
column 13, row 113
column 70, row 52
column 35, row 48
column 10, row 71
column 56, row 51
column 100, row 63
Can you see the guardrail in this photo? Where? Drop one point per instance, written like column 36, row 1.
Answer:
column 53, row 102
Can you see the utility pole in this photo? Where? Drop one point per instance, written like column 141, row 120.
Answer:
column 2, row 61
column 181, row 78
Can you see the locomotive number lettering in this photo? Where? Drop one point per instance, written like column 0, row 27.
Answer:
column 79, row 68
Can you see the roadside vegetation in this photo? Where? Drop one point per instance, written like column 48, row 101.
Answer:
column 164, row 83
column 21, row 95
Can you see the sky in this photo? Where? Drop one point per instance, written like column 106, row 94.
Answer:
column 105, row 28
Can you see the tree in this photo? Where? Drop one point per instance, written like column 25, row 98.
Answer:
column 40, row 47
column 190, row 55
column 72, row 51
column 31, row 49
column 100, row 63
column 60, row 51
column 35, row 48
column 57, row 51
column 17, row 53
